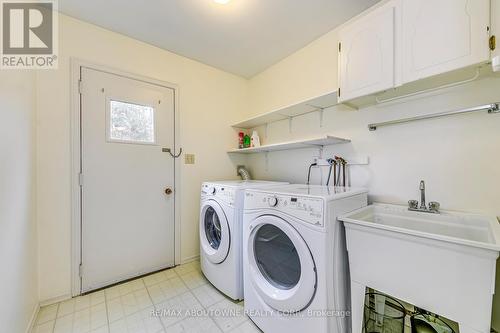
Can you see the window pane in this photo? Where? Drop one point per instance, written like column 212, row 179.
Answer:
column 131, row 122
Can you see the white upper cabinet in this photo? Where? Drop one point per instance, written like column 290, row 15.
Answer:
column 367, row 52
column 404, row 41
column 443, row 35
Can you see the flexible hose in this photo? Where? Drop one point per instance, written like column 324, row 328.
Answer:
column 329, row 174
column 244, row 173
column 333, row 165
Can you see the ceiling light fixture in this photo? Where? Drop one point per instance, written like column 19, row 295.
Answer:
column 222, row 2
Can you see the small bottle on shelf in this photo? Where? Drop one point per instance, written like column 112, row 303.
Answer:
column 246, row 141
column 241, row 140
column 255, row 139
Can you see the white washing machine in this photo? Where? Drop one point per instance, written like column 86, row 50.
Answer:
column 295, row 259
column 221, row 214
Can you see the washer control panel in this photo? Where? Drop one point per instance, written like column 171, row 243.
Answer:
column 225, row 193
column 306, row 208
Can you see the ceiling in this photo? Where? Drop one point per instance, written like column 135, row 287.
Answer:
column 243, row 37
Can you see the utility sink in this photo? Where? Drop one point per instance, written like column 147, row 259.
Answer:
column 444, row 263
column 454, row 227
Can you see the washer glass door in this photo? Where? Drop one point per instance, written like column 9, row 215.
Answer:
column 282, row 269
column 214, row 232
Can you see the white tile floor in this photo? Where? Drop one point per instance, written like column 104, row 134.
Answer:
column 174, row 300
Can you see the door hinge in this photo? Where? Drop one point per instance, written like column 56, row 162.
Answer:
column 340, row 47
column 80, row 270
column 493, row 43
column 80, row 179
column 80, row 86
column 338, row 92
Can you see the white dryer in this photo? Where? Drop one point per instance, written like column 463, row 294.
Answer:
column 221, row 214
column 295, row 259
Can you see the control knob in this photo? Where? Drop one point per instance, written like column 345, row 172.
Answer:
column 273, row 201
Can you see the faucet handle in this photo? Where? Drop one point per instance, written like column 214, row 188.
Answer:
column 434, row 206
column 413, row 204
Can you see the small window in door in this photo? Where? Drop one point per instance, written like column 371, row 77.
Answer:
column 131, row 123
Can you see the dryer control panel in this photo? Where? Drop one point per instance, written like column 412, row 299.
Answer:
column 307, row 209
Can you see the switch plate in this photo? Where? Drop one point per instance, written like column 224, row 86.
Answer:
column 188, row 158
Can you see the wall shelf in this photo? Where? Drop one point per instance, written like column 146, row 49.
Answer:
column 320, row 141
column 311, row 105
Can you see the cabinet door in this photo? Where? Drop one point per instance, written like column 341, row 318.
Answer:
column 443, row 35
column 367, row 53
column 495, row 31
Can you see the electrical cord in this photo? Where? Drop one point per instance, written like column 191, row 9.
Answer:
column 309, row 172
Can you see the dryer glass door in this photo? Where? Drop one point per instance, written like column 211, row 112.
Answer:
column 281, row 266
column 213, row 228
column 214, row 232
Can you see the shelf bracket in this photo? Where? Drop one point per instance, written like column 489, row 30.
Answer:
column 321, row 112
column 320, row 151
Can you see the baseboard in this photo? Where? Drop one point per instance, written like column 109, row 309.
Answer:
column 54, row 300
column 189, row 259
column 32, row 321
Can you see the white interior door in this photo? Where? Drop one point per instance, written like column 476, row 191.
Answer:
column 127, row 214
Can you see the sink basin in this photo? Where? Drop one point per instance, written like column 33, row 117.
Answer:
column 461, row 228
column 444, row 263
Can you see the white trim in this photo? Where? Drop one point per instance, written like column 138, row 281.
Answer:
column 190, row 259
column 76, row 65
column 55, row 300
column 32, row 322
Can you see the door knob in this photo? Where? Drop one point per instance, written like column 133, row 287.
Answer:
column 168, row 191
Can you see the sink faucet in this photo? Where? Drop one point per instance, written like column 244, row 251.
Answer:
column 422, row 195
column 433, row 205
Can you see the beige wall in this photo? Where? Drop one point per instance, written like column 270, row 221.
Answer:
column 18, row 241
column 309, row 72
column 209, row 101
column 457, row 156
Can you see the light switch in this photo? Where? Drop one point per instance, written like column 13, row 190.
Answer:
column 188, row 158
